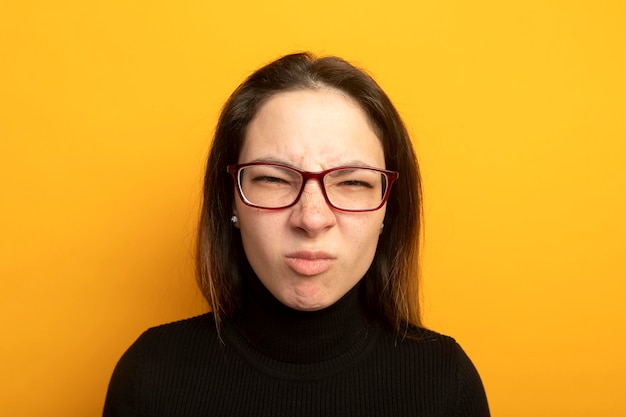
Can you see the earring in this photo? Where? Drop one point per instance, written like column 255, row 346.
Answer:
column 382, row 226
column 234, row 220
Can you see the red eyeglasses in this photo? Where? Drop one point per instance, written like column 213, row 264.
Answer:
column 347, row 188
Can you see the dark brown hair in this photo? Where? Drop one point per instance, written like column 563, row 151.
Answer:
column 391, row 283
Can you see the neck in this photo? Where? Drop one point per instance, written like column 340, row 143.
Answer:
column 296, row 336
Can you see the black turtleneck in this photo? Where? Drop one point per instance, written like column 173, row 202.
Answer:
column 275, row 361
column 293, row 336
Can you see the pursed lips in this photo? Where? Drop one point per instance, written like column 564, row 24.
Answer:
column 309, row 263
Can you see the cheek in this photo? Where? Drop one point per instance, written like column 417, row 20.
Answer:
column 253, row 239
column 375, row 222
column 259, row 229
column 366, row 233
column 377, row 228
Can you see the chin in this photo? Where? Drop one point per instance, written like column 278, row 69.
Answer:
column 306, row 303
column 314, row 307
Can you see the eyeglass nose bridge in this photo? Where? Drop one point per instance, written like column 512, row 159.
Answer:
column 319, row 177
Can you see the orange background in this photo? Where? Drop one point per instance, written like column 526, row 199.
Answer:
column 518, row 115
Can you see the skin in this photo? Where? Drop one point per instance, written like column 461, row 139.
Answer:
column 310, row 255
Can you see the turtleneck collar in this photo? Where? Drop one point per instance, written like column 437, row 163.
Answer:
column 293, row 336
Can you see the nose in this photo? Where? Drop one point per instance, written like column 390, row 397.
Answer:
column 312, row 214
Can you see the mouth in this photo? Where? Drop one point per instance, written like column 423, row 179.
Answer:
column 309, row 263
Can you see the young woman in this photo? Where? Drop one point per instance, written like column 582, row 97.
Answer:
column 308, row 256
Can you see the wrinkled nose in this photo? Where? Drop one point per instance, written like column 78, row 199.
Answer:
column 312, row 213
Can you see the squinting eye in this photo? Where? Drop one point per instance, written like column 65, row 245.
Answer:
column 356, row 183
column 269, row 179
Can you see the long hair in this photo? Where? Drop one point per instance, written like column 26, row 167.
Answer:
column 392, row 281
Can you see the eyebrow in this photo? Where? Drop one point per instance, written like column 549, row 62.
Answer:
column 272, row 160
column 352, row 163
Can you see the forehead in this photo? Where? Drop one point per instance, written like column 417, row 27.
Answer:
column 321, row 127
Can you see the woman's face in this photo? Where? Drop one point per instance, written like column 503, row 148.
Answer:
column 310, row 255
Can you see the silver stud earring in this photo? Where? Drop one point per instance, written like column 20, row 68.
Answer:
column 234, row 220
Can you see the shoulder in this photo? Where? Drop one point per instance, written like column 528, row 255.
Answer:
column 183, row 335
column 170, row 345
column 435, row 347
column 424, row 357
column 427, row 353
column 155, row 358
column 421, row 339
column 203, row 324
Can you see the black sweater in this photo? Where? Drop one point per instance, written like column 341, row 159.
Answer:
column 274, row 361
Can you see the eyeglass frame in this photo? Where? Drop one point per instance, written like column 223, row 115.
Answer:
column 234, row 170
